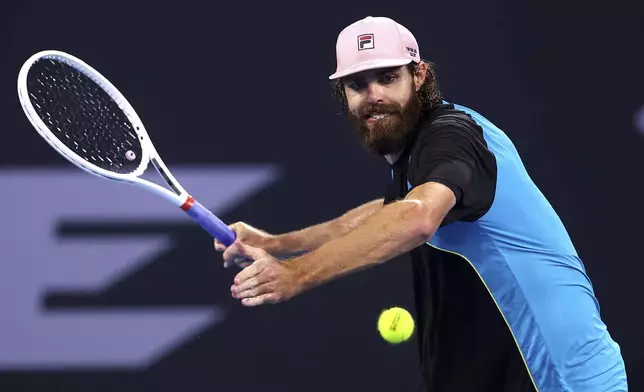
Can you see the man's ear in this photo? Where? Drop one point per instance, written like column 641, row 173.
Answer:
column 420, row 74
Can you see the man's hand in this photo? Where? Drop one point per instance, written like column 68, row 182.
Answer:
column 266, row 280
column 248, row 235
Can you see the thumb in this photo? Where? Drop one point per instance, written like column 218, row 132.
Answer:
column 249, row 251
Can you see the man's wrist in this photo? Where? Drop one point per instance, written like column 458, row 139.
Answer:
column 273, row 244
column 299, row 272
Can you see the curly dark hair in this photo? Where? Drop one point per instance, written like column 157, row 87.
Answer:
column 429, row 93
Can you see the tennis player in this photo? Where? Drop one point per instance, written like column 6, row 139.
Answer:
column 483, row 239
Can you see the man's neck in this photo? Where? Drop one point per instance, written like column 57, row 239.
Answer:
column 392, row 158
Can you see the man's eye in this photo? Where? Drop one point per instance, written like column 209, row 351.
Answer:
column 356, row 86
column 389, row 78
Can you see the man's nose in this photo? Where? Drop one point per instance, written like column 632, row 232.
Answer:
column 374, row 93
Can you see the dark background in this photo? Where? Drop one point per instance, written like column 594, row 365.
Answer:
column 246, row 83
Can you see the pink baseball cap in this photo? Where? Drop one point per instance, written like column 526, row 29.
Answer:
column 374, row 42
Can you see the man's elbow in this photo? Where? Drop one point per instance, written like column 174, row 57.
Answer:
column 424, row 230
column 422, row 221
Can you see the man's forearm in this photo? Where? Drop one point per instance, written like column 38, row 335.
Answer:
column 392, row 231
column 311, row 238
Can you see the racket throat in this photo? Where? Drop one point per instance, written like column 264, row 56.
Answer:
column 166, row 176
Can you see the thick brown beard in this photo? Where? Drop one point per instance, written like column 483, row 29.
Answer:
column 389, row 135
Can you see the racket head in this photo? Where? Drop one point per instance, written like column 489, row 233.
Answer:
column 88, row 121
column 83, row 116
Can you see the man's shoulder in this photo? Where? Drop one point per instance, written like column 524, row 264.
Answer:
column 446, row 117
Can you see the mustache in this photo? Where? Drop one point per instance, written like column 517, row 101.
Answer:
column 373, row 109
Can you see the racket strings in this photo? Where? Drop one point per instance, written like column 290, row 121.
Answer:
column 83, row 116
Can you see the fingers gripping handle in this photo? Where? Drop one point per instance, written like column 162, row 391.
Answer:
column 209, row 221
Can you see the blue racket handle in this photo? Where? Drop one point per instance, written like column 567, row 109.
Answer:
column 209, row 221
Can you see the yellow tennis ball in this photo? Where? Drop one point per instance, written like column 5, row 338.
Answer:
column 395, row 325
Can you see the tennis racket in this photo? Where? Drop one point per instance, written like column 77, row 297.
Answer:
column 89, row 122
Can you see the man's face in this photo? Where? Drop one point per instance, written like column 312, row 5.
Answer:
column 384, row 107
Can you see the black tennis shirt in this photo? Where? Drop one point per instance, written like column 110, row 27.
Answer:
column 464, row 343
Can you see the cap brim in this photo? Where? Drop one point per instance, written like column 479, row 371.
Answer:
column 370, row 64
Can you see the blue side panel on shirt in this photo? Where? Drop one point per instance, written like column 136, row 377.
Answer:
column 525, row 257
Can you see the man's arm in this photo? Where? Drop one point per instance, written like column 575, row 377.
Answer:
column 393, row 230
column 453, row 175
column 308, row 239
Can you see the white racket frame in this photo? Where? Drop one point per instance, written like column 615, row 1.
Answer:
column 148, row 151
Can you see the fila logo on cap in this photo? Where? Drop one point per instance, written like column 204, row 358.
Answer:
column 365, row 41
